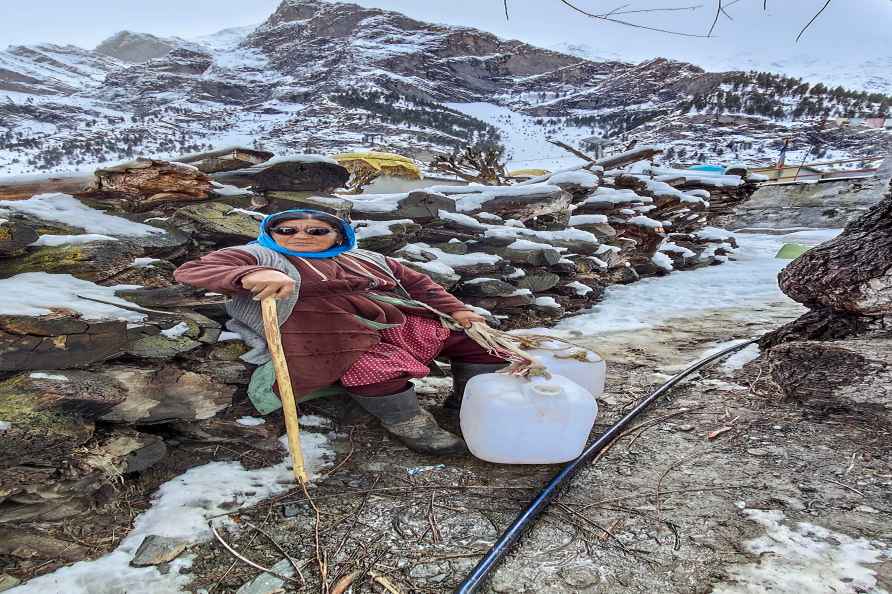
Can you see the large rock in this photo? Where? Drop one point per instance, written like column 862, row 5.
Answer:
column 828, row 204
column 297, row 173
column 217, row 223
column 96, row 261
column 15, row 236
column 60, row 340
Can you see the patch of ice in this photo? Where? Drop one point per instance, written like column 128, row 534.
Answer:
column 713, row 234
column 48, row 376
column 57, row 240
column 805, row 558
column 741, row 358
column 62, row 208
column 5, row 425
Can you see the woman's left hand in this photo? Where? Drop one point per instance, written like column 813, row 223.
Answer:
column 466, row 318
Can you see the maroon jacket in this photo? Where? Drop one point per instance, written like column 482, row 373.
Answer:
column 323, row 337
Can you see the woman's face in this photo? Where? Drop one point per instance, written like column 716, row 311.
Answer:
column 310, row 235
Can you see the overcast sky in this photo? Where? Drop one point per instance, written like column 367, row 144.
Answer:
column 852, row 29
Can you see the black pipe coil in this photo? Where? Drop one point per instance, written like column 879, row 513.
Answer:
column 544, row 498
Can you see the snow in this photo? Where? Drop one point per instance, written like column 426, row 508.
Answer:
column 462, row 219
column 580, row 178
column 750, row 279
column 57, row 240
column 377, row 228
column 488, row 216
column 741, row 358
column 615, row 196
column 805, row 558
column 531, row 246
column 181, row 508
column 663, row 261
column 518, row 273
column 227, row 190
column 144, row 262
column 176, row 331
column 581, row 290
column 35, row 293
column 643, row 221
column 5, row 425
column 475, row 197
column 451, row 260
column 588, row 220
column 62, row 208
column 314, row 421
column 477, row 281
column 713, row 234
column 669, row 247
column 48, row 376
column 546, row 302
column 250, row 421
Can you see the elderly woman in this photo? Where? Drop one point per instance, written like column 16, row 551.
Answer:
column 347, row 316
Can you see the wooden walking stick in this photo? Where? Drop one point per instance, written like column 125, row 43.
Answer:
column 283, row 379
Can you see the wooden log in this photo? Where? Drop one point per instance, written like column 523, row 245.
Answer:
column 641, row 153
column 22, row 187
column 226, row 159
column 15, row 236
column 141, row 184
column 61, row 340
column 852, row 272
column 308, row 173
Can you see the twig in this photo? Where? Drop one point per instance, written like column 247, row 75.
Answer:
column 854, row 490
column 243, row 559
column 813, row 19
column 291, row 560
column 506, row 10
column 355, row 519
column 344, row 461
column 626, row 23
column 663, row 476
column 386, row 583
column 601, row 528
column 718, row 13
column 436, row 537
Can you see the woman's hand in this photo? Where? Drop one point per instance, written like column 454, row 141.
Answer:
column 268, row 283
column 465, row 318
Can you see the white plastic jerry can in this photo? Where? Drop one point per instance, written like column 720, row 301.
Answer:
column 512, row 420
column 583, row 366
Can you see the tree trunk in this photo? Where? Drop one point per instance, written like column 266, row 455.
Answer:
column 853, row 373
column 852, row 272
column 144, row 183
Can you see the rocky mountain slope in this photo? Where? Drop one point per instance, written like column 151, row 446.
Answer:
column 320, row 76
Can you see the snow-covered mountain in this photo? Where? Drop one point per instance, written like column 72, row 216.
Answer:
column 319, row 76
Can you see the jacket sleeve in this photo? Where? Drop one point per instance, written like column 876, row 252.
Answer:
column 219, row 271
column 421, row 288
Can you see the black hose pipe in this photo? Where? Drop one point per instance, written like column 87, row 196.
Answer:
column 538, row 505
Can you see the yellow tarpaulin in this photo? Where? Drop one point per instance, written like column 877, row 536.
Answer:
column 384, row 163
column 528, row 172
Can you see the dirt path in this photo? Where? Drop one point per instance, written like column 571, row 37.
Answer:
column 666, row 510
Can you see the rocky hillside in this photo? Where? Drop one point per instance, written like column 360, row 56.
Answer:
column 320, row 76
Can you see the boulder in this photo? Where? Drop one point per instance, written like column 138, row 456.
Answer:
column 297, row 173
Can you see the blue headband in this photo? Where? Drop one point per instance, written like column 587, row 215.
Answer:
column 267, row 241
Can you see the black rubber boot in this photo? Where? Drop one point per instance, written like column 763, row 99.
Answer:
column 461, row 373
column 401, row 416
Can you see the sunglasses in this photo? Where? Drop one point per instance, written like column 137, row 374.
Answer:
column 314, row 231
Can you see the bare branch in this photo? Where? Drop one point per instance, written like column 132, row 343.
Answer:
column 813, row 19
column 626, row 23
column 506, row 10
column 671, row 9
column 718, row 13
